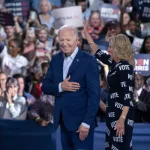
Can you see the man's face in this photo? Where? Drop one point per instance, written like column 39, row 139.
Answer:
column 112, row 30
column 139, row 82
column 3, row 79
column 132, row 26
column 83, row 5
column 14, row 50
column 21, row 84
column 68, row 41
column 9, row 31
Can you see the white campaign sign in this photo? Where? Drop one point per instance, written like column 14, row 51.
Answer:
column 68, row 16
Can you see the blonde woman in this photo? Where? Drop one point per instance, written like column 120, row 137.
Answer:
column 120, row 109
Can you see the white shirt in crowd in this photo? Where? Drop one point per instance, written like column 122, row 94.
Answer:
column 11, row 65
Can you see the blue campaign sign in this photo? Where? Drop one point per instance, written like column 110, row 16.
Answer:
column 18, row 7
column 109, row 12
column 143, row 9
column 142, row 64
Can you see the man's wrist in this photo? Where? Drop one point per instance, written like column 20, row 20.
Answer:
column 85, row 125
column 60, row 87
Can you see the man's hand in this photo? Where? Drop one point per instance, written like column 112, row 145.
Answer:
column 83, row 132
column 70, row 86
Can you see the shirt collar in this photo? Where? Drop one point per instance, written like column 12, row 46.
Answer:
column 72, row 56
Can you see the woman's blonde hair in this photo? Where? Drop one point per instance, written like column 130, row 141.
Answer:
column 122, row 47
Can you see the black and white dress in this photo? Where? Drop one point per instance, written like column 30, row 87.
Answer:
column 120, row 82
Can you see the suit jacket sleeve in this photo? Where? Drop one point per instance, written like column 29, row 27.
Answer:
column 48, row 86
column 93, row 91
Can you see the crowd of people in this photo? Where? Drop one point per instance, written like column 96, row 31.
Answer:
column 27, row 47
column 33, row 75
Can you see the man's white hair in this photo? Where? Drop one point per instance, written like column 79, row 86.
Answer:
column 69, row 27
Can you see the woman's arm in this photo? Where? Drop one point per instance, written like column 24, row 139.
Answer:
column 17, row 26
column 99, row 54
column 92, row 44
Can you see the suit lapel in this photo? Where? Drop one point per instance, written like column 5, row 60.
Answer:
column 75, row 62
column 61, row 61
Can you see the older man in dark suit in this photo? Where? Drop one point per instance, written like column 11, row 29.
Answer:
column 73, row 78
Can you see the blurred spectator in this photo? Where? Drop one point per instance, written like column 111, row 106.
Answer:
column 45, row 14
column 133, row 29
column 29, row 44
column 2, row 4
column 104, row 91
column 29, row 98
column 126, row 18
column 3, row 79
column 13, row 32
column 145, row 49
column 33, row 20
column 147, row 86
column 95, row 26
column 2, row 34
column 44, row 69
column 43, row 39
column 110, row 29
column 10, row 32
column 35, row 4
column 13, row 62
column 16, row 107
column 42, row 110
column 142, row 100
column 80, row 40
column 116, row 2
column 36, row 84
column 86, row 11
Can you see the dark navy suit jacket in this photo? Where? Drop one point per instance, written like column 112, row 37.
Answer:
column 82, row 105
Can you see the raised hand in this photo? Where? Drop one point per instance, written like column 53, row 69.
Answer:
column 85, row 29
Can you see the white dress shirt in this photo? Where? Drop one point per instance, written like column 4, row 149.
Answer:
column 66, row 65
column 139, row 91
